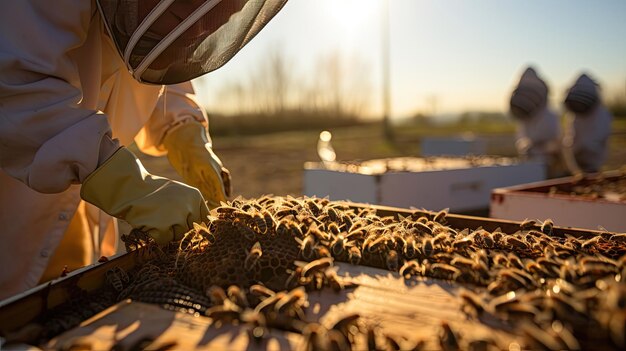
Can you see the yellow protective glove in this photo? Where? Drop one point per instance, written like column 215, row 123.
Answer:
column 189, row 151
column 161, row 207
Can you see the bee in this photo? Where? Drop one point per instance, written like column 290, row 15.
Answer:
column 356, row 234
column 443, row 271
column 527, row 224
column 410, row 267
column 422, row 227
column 313, row 207
column 589, row 243
column 332, row 214
column 392, row 260
column 237, row 296
column 440, row 217
column 338, row 246
column 285, row 212
column 270, row 222
column 244, row 229
column 472, row 302
column 409, row 248
column 546, row 227
column 296, row 298
column 514, row 242
column 295, row 230
column 259, row 222
column 427, row 247
column 462, row 262
column 441, row 239
column 261, row 291
column 204, row 231
column 316, row 266
column 375, row 245
column 333, row 228
column 515, row 261
column 488, row 240
column 462, row 243
column 282, row 228
column 307, row 247
column 500, row 259
column 253, row 256
column 354, row 255
column 229, row 212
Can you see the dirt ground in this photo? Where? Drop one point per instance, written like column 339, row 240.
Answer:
column 274, row 163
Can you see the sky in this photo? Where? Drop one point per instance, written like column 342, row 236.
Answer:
column 446, row 56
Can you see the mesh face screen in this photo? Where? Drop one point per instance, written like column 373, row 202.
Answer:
column 168, row 42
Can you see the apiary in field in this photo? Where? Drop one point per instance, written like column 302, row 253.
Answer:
column 284, row 273
column 462, row 184
column 590, row 202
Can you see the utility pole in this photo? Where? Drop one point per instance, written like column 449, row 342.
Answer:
column 387, row 129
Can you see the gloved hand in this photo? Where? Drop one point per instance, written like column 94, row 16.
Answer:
column 189, row 151
column 162, row 208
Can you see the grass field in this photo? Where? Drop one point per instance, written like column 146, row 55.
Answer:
column 273, row 163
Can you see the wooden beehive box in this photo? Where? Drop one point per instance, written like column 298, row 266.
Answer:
column 558, row 200
column 409, row 310
column 462, row 184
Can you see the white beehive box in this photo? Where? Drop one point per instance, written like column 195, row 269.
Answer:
column 540, row 201
column 460, row 184
column 453, row 146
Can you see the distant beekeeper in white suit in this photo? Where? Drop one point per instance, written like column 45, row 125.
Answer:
column 81, row 80
column 538, row 129
column 588, row 126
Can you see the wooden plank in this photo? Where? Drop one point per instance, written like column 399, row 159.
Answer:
column 410, row 310
column 128, row 324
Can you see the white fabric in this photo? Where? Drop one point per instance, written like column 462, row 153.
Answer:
column 539, row 135
column 588, row 135
column 64, row 92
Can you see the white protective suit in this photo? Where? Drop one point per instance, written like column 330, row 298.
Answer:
column 589, row 128
column 62, row 82
column 538, row 129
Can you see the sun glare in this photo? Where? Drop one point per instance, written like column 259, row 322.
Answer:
column 352, row 13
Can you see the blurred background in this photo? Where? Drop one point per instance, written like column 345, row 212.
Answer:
column 383, row 74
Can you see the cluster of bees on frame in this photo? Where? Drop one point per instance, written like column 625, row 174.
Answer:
column 255, row 262
column 599, row 187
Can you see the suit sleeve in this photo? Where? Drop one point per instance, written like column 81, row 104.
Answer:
column 47, row 140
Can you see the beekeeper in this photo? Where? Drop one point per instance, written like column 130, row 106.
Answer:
column 79, row 82
column 588, row 126
column 538, row 131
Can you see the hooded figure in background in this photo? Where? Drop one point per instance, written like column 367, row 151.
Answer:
column 588, row 126
column 79, row 82
column 538, row 129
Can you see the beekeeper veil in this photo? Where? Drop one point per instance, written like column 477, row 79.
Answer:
column 583, row 96
column 168, row 42
column 530, row 95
